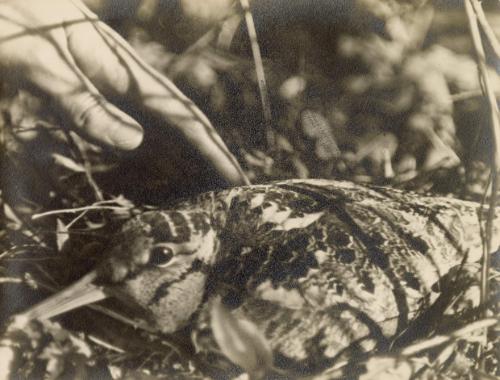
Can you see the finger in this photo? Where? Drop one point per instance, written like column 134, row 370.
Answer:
column 43, row 61
column 98, row 59
column 82, row 103
column 88, row 110
column 161, row 97
column 113, row 65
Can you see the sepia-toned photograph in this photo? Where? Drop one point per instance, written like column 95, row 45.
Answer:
column 249, row 189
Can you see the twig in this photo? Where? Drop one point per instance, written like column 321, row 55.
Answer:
column 11, row 280
column 76, row 209
column 210, row 36
column 440, row 339
column 227, row 30
column 467, row 95
column 76, row 219
column 488, row 31
column 87, row 166
column 106, row 345
column 28, row 230
column 259, row 71
column 485, row 80
column 418, row 347
column 30, row 259
column 15, row 249
column 488, row 90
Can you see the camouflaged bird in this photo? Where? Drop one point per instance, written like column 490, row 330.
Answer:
column 323, row 268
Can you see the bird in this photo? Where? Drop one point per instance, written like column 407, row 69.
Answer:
column 324, row 269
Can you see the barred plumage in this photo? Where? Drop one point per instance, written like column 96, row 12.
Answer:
column 323, row 268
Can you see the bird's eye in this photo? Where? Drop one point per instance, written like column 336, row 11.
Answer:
column 160, row 256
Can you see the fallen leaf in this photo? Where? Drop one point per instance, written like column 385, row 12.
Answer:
column 241, row 341
column 62, row 235
column 387, row 368
column 68, row 163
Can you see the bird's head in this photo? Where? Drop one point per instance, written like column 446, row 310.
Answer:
column 159, row 261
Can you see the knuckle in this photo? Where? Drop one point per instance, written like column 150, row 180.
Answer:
column 82, row 108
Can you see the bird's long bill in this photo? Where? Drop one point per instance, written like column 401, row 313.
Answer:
column 80, row 293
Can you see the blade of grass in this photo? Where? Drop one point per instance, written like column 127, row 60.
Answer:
column 75, row 210
column 440, row 339
column 471, row 8
column 259, row 71
column 417, row 348
column 495, row 123
column 488, row 31
column 80, row 153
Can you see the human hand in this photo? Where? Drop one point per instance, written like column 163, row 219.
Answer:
column 61, row 50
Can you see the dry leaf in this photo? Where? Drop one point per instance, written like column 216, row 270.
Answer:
column 13, row 222
column 317, row 127
column 68, row 163
column 387, row 368
column 241, row 341
column 62, row 235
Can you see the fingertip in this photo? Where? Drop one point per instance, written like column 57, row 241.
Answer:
column 236, row 176
column 112, row 127
column 130, row 135
column 103, row 122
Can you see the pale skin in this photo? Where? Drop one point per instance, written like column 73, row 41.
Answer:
column 60, row 49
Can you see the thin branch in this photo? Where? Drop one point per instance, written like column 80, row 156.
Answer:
column 467, row 95
column 485, row 80
column 420, row 346
column 259, row 71
column 79, row 150
column 487, row 88
column 27, row 228
column 11, row 280
column 485, row 25
column 77, row 209
column 106, row 345
column 495, row 123
column 441, row 339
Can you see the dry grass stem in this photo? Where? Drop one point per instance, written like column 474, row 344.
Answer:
column 78, row 209
column 441, row 339
column 485, row 25
column 488, row 92
column 259, row 71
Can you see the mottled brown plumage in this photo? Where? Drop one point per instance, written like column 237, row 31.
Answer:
column 323, row 268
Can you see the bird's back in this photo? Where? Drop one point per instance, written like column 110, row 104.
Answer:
column 320, row 266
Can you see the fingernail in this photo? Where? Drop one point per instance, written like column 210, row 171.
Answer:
column 128, row 135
